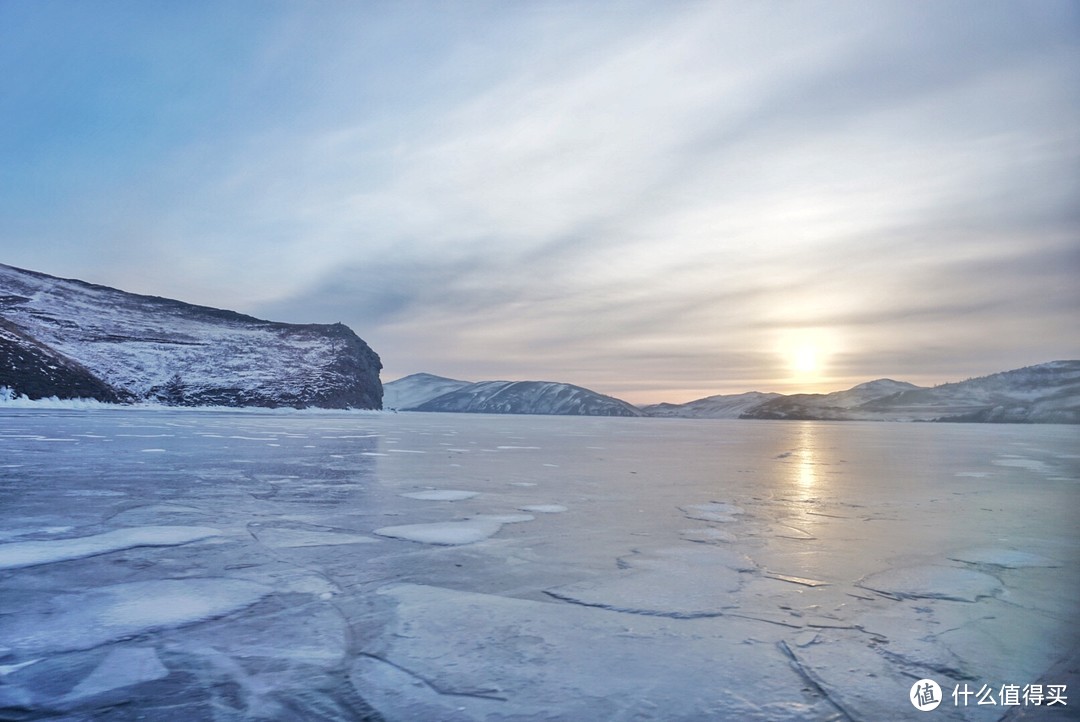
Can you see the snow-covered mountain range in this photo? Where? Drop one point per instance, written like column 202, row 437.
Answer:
column 1046, row 393
column 68, row 338
column 425, row 392
column 723, row 406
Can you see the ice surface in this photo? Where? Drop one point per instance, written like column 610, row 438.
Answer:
column 682, row 583
column 826, row 568
column 505, row 518
column 284, row 538
column 122, row 667
column 713, row 511
column 438, row 662
column 447, row 533
column 1010, row 558
column 441, row 495
column 707, row 535
column 544, row 508
column 86, row 619
column 30, row 553
column 933, row 582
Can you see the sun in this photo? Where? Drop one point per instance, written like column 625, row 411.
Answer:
column 805, row 361
column 804, row 357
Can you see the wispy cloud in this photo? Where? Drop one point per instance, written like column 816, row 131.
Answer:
column 646, row 198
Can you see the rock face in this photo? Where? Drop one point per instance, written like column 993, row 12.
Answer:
column 68, row 338
column 528, row 397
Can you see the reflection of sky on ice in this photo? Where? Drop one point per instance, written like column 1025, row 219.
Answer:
column 306, row 566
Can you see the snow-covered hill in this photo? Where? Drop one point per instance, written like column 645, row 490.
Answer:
column 1045, row 393
column 529, row 397
column 68, row 338
column 723, row 406
column 411, row 391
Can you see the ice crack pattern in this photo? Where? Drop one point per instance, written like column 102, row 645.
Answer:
column 413, row 566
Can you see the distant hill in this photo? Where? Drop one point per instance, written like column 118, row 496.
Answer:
column 724, row 406
column 410, row 391
column 506, row 397
column 1045, row 393
column 71, row 339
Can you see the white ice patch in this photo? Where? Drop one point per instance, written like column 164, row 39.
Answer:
column 505, row 518
column 1008, row 558
column 93, row 492
column 973, row 474
column 122, row 667
column 707, row 535
column 25, row 531
column 277, row 538
column 446, row 533
column 6, row 669
column 441, row 495
column 713, row 511
column 32, row 553
column 544, row 508
column 933, row 582
column 681, row 582
column 1022, row 463
column 88, row 619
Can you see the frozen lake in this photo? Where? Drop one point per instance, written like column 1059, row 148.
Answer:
column 192, row 565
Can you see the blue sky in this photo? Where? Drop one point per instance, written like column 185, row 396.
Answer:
column 659, row 200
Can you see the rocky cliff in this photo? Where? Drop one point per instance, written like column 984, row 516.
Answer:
column 68, row 338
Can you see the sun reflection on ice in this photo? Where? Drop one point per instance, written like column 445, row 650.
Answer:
column 806, row 478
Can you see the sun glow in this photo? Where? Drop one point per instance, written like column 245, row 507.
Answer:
column 805, row 360
column 805, row 353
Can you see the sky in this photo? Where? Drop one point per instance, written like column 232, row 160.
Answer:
column 659, row 200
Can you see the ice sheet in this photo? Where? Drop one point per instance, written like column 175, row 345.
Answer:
column 713, row 511
column 1009, row 558
column 681, row 583
column 544, row 508
column 31, row 553
column 441, row 495
column 86, row 619
column 122, row 667
column 447, row 533
column 284, row 538
column 834, row 563
column 438, row 663
column 933, row 582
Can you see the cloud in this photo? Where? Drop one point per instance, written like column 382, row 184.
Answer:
column 614, row 195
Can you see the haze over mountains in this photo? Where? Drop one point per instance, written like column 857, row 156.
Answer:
column 71, row 339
